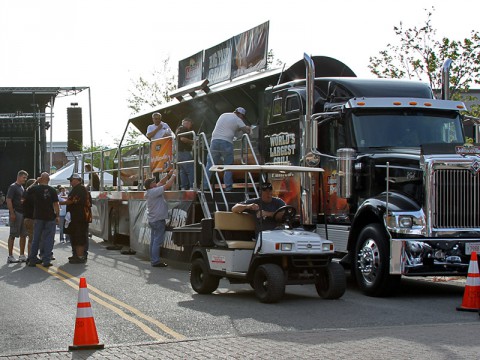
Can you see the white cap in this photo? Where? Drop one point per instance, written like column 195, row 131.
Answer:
column 241, row 110
column 75, row 176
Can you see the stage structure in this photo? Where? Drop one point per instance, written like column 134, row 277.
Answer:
column 26, row 114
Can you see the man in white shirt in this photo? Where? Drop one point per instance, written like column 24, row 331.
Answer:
column 158, row 129
column 221, row 145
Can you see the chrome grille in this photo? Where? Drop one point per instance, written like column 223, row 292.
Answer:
column 457, row 199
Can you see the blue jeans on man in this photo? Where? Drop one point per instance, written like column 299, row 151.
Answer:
column 186, row 170
column 221, row 150
column 157, row 237
column 43, row 236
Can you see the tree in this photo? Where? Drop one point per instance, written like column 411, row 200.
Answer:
column 273, row 61
column 420, row 55
column 150, row 92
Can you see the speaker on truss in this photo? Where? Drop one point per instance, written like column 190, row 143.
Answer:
column 75, row 134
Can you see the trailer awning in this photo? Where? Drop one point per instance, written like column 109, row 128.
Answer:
column 205, row 107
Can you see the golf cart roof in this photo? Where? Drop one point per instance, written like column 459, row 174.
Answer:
column 264, row 168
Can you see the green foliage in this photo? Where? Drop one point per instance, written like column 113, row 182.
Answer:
column 272, row 61
column 149, row 92
column 420, row 55
column 92, row 154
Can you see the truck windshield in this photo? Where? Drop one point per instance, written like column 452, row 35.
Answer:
column 406, row 128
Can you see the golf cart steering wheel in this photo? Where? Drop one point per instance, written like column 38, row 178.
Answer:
column 288, row 215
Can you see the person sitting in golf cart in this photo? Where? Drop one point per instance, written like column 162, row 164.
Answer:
column 263, row 208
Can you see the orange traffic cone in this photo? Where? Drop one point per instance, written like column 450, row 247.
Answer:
column 471, row 296
column 85, row 336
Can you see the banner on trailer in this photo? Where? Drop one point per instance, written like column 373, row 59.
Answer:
column 218, row 62
column 190, row 69
column 250, row 50
column 161, row 155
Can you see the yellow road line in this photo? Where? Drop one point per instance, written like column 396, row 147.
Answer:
column 128, row 307
column 145, row 328
column 71, row 279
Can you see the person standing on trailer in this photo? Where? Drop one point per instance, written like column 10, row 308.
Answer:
column 221, row 146
column 184, row 145
column 158, row 129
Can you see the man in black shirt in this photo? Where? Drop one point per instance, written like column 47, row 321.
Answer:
column 184, row 144
column 79, row 205
column 46, row 213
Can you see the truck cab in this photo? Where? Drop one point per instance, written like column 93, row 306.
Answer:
column 397, row 196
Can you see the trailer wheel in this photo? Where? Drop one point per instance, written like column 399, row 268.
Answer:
column 113, row 225
column 202, row 282
column 371, row 262
column 269, row 283
column 331, row 283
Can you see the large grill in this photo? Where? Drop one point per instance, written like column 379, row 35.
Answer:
column 456, row 202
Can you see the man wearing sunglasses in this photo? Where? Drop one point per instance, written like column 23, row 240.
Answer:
column 263, row 208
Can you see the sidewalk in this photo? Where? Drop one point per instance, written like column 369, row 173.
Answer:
column 457, row 341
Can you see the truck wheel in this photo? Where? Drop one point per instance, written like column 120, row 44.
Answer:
column 371, row 262
column 202, row 282
column 269, row 283
column 331, row 283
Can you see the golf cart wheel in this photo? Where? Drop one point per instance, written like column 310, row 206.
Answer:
column 269, row 283
column 202, row 282
column 331, row 283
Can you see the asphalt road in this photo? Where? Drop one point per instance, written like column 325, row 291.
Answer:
column 134, row 303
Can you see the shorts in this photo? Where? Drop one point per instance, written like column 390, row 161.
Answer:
column 28, row 223
column 17, row 228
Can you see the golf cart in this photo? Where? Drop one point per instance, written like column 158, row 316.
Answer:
column 287, row 255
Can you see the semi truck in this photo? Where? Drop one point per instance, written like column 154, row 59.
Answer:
column 399, row 194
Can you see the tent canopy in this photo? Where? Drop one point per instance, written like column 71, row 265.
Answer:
column 62, row 175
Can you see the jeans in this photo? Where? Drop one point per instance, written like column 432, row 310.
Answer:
column 221, row 150
column 43, row 236
column 186, row 170
column 157, row 237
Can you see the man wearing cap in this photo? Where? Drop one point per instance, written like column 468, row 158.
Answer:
column 263, row 208
column 221, row 146
column 79, row 204
column 157, row 213
column 184, row 146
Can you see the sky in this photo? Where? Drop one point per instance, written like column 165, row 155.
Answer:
column 106, row 44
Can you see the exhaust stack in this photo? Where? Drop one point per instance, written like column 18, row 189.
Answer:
column 446, row 79
column 309, row 141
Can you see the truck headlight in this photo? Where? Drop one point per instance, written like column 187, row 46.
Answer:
column 411, row 223
column 405, row 221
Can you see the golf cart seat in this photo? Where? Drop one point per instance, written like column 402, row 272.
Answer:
column 237, row 230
